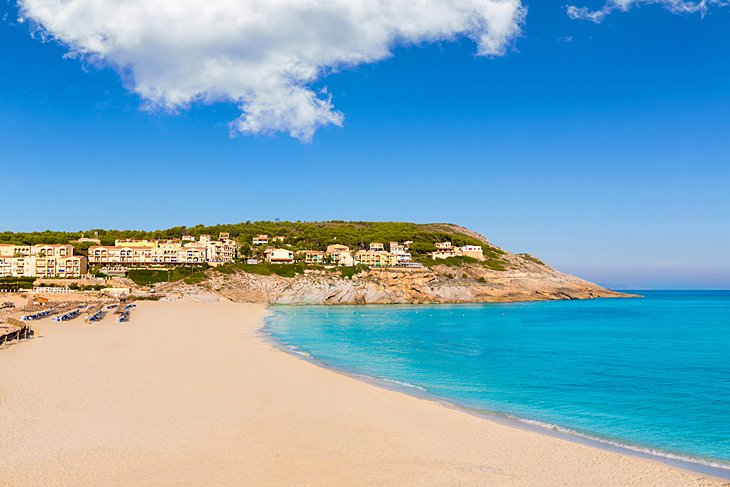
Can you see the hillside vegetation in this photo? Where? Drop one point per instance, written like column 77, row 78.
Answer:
column 298, row 235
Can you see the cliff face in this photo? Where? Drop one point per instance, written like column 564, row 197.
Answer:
column 440, row 284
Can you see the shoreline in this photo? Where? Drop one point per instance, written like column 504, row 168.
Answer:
column 687, row 462
column 618, row 295
column 192, row 394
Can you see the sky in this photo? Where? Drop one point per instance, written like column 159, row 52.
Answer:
column 594, row 137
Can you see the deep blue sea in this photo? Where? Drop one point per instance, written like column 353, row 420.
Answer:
column 652, row 374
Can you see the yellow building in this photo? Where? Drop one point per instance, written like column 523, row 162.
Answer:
column 444, row 250
column 50, row 261
column 314, row 257
column 119, row 254
column 279, row 256
column 144, row 252
column 10, row 250
column 375, row 259
column 140, row 253
column 260, row 240
column 72, row 266
column 130, row 242
column 222, row 251
column 335, row 249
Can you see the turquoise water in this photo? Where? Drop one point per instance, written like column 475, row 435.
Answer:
column 652, row 373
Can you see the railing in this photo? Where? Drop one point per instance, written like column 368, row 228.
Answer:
column 21, row 333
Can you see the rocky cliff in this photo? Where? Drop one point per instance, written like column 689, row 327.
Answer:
column 438, row 285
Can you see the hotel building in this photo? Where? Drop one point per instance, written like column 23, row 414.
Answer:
column 140, row 253
column 49, row 261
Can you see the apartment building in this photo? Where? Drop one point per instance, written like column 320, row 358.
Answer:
column 71, row 266
column 141, row 253
column 221, row 251
column 134, row 253
column 314, row 257
column 336, row 249
column 15, row 266
column 50, row 261
column 377, row 247
column 444, row 250
column 279, row 256
column 10, row 250
column 375, row 259
column 340, row 255
column 260, row 240
column 402, row 256
column 396, row 247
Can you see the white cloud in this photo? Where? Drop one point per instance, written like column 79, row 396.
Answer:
column 674, row 6
column 263, row 55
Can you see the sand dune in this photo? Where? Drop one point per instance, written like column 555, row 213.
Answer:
column 187, row 394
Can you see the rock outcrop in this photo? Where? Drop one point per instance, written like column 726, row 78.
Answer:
column 469, row 283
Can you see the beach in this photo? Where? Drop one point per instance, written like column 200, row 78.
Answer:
column 190, row 393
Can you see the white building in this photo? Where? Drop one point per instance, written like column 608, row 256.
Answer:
column 377, row 247
column 217, row 252
column 341, row 255
column 402, row 256
column 474, row 251
column 396, row 247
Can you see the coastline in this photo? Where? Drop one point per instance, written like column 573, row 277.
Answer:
column 191, row 394
column 688, row 463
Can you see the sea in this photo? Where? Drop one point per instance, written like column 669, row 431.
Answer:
column 648, row 375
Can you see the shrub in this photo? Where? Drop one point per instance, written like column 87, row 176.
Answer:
column 226, row 269
column 195, row 278
column 264, row 269
column 146, row 277
column 495, row 265
column 532, row 258
column 348, row 272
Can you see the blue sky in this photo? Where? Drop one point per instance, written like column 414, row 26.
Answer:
column 602, row 148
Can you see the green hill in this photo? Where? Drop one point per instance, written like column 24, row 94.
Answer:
column 298, row 235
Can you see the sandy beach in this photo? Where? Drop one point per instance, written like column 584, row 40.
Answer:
column 189, row 394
